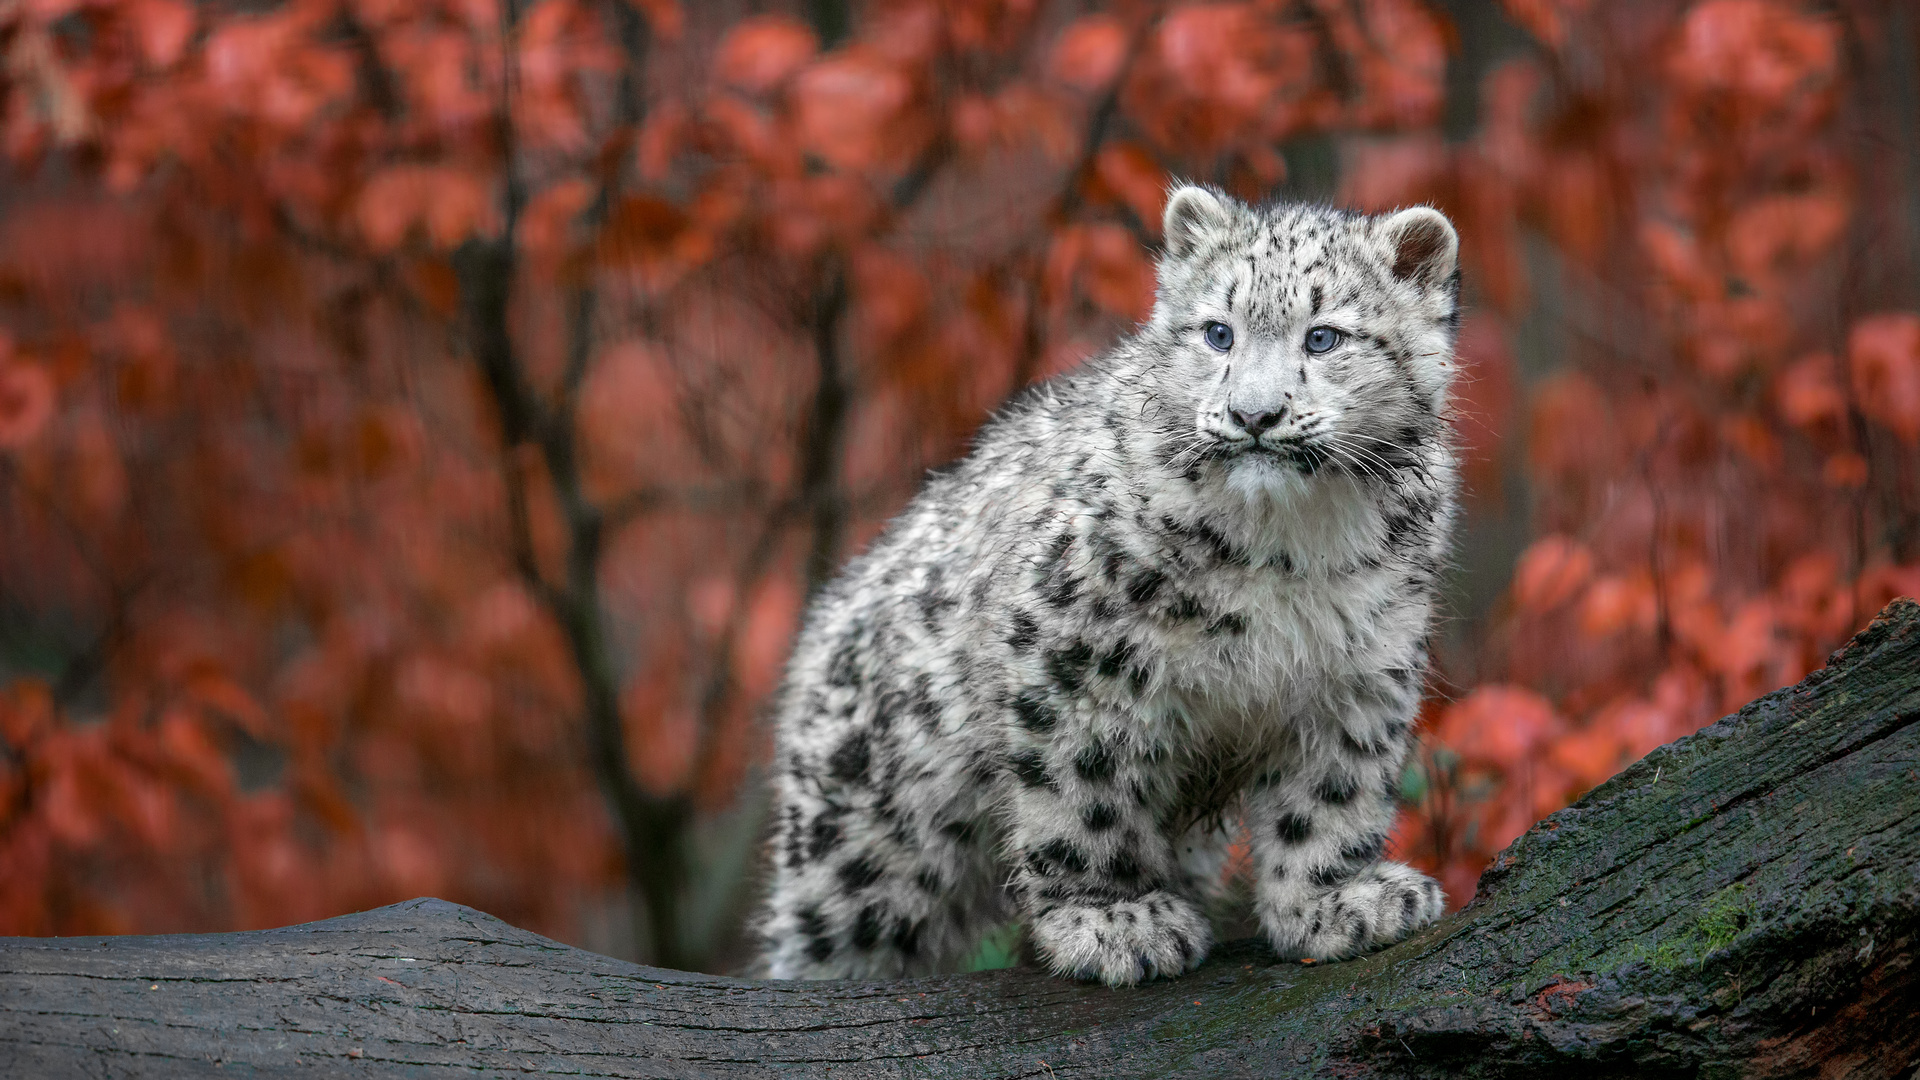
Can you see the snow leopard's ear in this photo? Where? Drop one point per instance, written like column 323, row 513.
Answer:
column 1424, row 249
column 1193, row 214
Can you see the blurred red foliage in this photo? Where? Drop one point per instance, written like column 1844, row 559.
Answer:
column 422, row 422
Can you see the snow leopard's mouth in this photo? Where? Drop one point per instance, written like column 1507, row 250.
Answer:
column 1301, row 454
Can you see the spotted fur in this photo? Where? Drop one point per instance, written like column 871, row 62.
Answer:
column 1128, row 617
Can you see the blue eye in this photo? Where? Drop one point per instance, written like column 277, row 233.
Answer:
column 1322, row 338
column 1219, row 336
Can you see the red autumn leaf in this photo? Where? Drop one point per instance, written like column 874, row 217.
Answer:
column 445, row 205
column 1544, row 19
column 1569, row 431
column 26, row 712
column 1551, row 572
column 230, row 701
column 1089, row 52
column 1114, row 272
column 162, row 28
column 1883, row 353
column 1808, row 397
column 1617, row 602
column 1498, row 725
column 1845, row 470
column 1758, row 49
column 667, row 17
column 546, row 224
column 1132, row 176
column 1784, row 230
column 1589, row 755
column 848, row 109
column 26, row 403
column 760, row 53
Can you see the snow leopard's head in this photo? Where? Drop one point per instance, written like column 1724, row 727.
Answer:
column 1305, row 339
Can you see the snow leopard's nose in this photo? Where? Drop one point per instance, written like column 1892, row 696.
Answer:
column 1257, row 422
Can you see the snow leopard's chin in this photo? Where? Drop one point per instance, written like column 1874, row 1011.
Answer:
column 1260, row 475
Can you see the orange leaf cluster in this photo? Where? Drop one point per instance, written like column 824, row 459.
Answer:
column 1722, row 500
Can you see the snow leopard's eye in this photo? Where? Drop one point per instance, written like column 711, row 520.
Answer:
column 1322, row 338
column 1219, row 336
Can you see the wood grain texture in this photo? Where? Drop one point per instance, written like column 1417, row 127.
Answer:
column 1742, row 902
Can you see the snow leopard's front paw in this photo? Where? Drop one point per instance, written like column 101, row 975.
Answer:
column 1126, row 941
column 1378, row 906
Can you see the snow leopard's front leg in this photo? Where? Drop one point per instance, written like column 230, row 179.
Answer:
column 1323, row 891
column 1099, row 884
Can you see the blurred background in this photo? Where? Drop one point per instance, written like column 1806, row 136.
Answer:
column 423, row 421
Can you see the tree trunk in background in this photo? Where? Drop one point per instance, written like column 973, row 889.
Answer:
column 1742, row 902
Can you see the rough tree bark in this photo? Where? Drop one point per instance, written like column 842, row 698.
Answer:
column 1743, row 902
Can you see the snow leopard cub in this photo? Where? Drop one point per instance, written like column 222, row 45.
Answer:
column 1187, row 581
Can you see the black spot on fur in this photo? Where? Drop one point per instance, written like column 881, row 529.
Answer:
column 1025, row 630
column 1094, row 763
column 819, row 946
column 849, row 762
column 792, row 833
column 1329, row 876
column 1062, row 592
column 844, row 668
column 1293, row 828
column 823, row 837
column 1031, row 768
column 866, row 928
column 921, row 703
column 1034, row 713
column 929, row 881
column 1231, row 623
column 1099, row 817
column 1337, row 789
column 962, row 832
column 906, row 936
column 1069, row 666
column 1064, row 854
column 934, row 605
column 1186, row 606
column 1125, row 869
column 1219, row 545
column 1143, row 588
column 857, row 873
column 1057, row 547
column 888, row 704
column 1364, row 850
column 1117, row 658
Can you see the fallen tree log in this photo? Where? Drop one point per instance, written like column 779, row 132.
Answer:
column 1742, row 902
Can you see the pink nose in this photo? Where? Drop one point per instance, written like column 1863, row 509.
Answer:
column 1257, row 423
